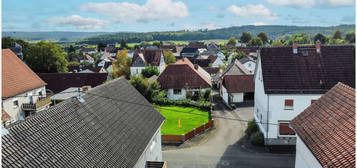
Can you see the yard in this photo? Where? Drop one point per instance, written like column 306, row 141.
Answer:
column 189, row 117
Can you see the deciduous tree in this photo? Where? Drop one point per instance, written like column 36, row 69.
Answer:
column 121, row 67
column 169, row 57
column 246, row 37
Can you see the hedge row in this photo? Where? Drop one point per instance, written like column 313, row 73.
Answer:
column 203, row 105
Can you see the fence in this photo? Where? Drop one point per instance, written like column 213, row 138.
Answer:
column 184, row 137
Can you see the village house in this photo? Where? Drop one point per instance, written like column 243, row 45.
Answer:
column 326, row 130
column 86, row 69
column 237, row 88
column 189, row 52
column 87, row 51
column 288, row 79
column 183, row 78
column 105, row 127
column 87, row 58
column 58, row 82
column 145, row 58
column 23, row 92
column 249, row 63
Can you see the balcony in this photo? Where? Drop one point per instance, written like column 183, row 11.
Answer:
column 42, row 101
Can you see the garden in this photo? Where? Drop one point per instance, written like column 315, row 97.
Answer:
column 180, row 120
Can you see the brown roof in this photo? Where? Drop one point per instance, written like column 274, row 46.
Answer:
column 5, row 116
column 327, row 127
column 58, row 82
column 183, row 74
column 307, row 72
column 235, row 68
column 17, row 77
column 152, row 57
column 238, row 83
column 211, row 70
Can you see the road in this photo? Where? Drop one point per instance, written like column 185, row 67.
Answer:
column 225, row 148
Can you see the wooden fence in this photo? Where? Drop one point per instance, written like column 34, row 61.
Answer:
column 184, row 137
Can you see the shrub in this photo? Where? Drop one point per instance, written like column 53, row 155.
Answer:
column 150, row 71
column 207, row 95
column 257, row 138
column 203, row 105
column 252, row 127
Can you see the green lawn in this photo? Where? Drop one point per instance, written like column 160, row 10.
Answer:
column 190, row 118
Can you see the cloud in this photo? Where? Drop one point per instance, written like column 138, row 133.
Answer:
column 79, row 22
column 252, row 11
column 259, row 24
column 311, row 3
column 152, row 10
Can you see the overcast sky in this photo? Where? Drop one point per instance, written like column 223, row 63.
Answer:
column 163, row 15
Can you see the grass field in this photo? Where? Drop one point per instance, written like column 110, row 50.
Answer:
column 190, row 118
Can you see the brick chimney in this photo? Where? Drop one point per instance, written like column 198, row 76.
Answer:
column 295, row 48
column 318, row 46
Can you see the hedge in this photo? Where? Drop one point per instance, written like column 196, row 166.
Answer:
column 203, row 105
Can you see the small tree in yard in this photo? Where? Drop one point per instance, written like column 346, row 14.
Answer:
column 169, row 57
column 245, row 38
column 232, row 41
column 150, row 71
column 256, row 42
column 148, row 90
column 263, row 36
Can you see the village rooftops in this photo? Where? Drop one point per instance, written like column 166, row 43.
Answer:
column 147, row 57
column 235, row 68
column 17, row 77
column 327, row 127
column 111, row 126
column 308, row 71
column 238, row 83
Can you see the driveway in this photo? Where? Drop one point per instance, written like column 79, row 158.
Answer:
column 225, row 148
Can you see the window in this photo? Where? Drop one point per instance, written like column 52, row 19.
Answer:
column 15, row 103
column 313, row 101
column 177, row 91
column 289, row 104
column 40, row 93
column 284, row 129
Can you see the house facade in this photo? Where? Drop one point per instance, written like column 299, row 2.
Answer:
column 249, row 63
column 23, row 92
column 326, row 130
column 183, row 78
column 237, row 88
column 287, row 81
column 129, row 138
column 145, row 58
column 189, row 52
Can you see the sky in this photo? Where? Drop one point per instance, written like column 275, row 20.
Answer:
column 167, row 15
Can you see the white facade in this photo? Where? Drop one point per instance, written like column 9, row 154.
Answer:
column 218, row 62
column 15, row 111
column 304, row 158
column 269, row 108
column 153, row 151
column 180, row 94
column 250, row 66
column 136, row 70
column 235, row 97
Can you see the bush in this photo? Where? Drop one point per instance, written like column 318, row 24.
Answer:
column 257, row 138
column 203, row 105
column 252, row 127
column 207, row 95
column 150, row 71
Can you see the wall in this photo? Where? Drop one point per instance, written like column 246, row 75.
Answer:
column 304, row 158
column 250, row 65
column 237, row 97
column 172, row 96
column 224, row 94
column 16, row 113
column 153, row 151
column 136, row 70
column 218, row 62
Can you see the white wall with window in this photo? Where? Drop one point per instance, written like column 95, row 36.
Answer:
column 176, row 94
column 136, row 70
column 250, row 66
column 13, row 105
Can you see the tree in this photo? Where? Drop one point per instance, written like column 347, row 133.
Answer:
column 337, row 35
column 232, row 41
column 255, row 42
column 123, row 44
column 263, row 36
column 150, row 71
column 101, row 46
column 350, row 37
column 301, row 38
column 238, row 56
column 148, row 90
column 323, row 39
column 277, row 43
column 8, row 42
column 71, row 49
column 73, row 63
column 169, row 57
column 246, row 37
column 121, row 67
column 47, row 57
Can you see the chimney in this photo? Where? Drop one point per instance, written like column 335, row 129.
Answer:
column 295, row 48
column 318, row 46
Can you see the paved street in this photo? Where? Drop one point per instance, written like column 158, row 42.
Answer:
column 225, row 147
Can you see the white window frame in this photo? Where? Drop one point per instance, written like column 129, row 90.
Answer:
column 177, row 93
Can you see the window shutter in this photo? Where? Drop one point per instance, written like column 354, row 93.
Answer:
column 289, row 103
column 284, row 129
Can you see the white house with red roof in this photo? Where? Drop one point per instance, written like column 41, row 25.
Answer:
column 326, row 131
column 23, row 92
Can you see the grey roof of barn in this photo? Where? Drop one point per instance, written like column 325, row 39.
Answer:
column 101, row 132
column 307, row 72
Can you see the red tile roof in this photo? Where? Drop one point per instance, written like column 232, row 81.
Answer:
column 183, row 74
column 308, row 71
column 327, row 127
column 238, row 83
column 17, row 77
column 5, row 116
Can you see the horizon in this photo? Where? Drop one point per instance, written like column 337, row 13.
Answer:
column 169, row 15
